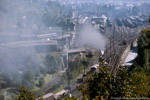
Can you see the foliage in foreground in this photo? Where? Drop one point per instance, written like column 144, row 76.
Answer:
column 144, row 50
column 103, row 85
column 69, row 98
column 25, row 94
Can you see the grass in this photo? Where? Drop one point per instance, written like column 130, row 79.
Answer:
column 48, row 78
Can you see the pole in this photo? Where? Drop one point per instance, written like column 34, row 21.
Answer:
column 110, row 51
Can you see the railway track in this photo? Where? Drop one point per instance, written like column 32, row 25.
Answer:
column 115, row 49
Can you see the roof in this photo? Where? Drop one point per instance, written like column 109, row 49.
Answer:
column 48, row 95
column 61, row 37
column 61, row 92
column 29, row 43
column 95, row 66
column 75, row 50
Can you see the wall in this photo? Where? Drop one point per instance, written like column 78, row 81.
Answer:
column 125, row 53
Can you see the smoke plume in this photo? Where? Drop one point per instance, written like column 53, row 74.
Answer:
column 90, row 37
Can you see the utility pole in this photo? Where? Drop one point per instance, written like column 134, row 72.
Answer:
column 121, row 33
column 105, row 56
column 113, row 39
column 5, row 95
column 110, row 51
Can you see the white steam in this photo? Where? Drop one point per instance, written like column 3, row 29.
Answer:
column 88, row 36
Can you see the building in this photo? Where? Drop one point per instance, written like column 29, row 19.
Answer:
column 49, row 96
column 61, row 94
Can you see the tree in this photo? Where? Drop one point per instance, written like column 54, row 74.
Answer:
column 27, row 79
column 69, row 98
column 103, row 85
column 149, row 20
column 140, row 84
column 69, row 76
column 85, row 63
column 25, row 94
column 143, row 50
column 41, row 81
